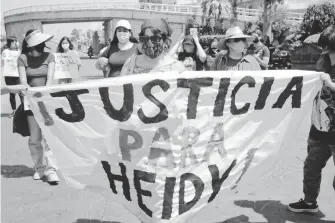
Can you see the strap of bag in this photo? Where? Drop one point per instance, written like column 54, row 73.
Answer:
column 132, row 64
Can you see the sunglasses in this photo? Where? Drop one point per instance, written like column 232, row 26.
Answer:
column 239, row 39
column 153, row 39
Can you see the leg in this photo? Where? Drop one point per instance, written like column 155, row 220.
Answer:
column 50, row 170
column 332, row 147
column 318, row 155
column 12, row 81
column 35, row 145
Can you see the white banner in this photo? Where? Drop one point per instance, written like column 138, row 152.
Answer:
column 165, row 144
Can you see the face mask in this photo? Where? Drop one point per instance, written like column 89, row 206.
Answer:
column 152, row 50
column 40, row 48
column 123, row 37
column 65, row 46
column 237, row 46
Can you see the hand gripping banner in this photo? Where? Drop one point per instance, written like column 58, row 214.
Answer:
column 164, row 145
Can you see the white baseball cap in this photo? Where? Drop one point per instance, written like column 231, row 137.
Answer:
column 123, row 23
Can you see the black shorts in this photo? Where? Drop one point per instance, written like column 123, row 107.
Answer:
column 12, row 80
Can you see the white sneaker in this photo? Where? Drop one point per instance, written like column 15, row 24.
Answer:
column 52, row 178
column 37, row 176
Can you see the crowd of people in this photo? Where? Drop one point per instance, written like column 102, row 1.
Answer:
column 153, row 51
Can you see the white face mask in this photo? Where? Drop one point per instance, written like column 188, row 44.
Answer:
column 238, row 47
column 65, row 45
column 123, row 37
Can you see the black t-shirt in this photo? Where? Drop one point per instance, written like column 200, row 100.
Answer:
column 198, row 64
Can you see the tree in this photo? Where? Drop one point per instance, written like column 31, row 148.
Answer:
column 75, row 33
column 233, row 19
column 317, row 18
column 269, row 7
column 213, row 10
column 89, row 33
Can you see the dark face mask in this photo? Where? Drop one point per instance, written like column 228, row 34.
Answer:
column 256, row 40
column 152, row 50
column 40, row 47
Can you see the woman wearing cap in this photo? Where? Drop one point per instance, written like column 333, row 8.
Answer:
column 233, row 56
column 10, row 73
column 36, row 68
column 192, row 54
column 65, row 46
column 121, row 48
column 155, row 38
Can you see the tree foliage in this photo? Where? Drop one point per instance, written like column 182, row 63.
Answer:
column 317, row 18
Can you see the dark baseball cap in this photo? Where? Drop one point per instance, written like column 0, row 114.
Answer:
column 160, row 24
column 188, row 40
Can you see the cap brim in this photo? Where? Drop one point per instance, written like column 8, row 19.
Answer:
column 42, row 39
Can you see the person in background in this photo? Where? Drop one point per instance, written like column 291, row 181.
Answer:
column 321, row 141
column 232, row 56
column 8, row 89
column 212, row 52
column 155, row 39
column 36, row 69
column 66, row 46
column 122, row 47
column 10, row 71
column 192, row 54
column 260, row 51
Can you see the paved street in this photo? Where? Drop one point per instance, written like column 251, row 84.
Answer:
column 24, row 200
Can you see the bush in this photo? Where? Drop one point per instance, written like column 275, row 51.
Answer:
column 317, row 18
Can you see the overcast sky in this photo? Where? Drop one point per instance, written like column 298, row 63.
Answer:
column 57, row 29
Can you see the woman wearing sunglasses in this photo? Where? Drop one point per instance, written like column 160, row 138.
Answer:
column 155, row 39
column 121, row 48
column 233, row 57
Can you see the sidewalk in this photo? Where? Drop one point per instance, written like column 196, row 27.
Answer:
column 27, row 201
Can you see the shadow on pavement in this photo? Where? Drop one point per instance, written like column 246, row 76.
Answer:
column 275, row 212
column 16, row 171
column 5, row 114
column 94, row 221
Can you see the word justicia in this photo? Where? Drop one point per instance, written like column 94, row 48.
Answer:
column 195, row 85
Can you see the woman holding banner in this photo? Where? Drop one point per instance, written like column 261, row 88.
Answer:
column 155, row 38
column 65, row 46
column 232, row 56
column 121, row 48
column 10, row 73
column 36, row 68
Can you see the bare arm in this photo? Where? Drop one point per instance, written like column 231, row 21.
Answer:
column 200, row 52
column 176, row 47
column 51, row 72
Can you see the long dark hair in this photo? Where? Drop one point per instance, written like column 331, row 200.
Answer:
column 116, row 40
column 60, row 48
column 25, row 48
column 10, row 40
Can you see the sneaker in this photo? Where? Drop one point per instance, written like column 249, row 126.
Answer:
column 302, row 206
column 52, row 178
column 37, row 176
